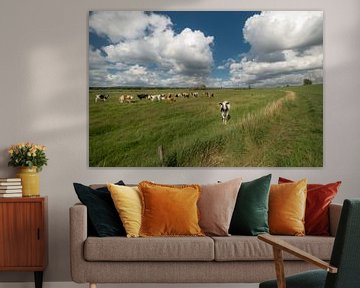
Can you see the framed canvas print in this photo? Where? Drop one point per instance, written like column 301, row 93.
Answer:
column 205, row 89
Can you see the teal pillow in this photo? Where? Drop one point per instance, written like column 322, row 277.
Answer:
column 250, row 216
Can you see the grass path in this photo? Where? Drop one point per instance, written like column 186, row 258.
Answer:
column 286, row 133
column 260, row 119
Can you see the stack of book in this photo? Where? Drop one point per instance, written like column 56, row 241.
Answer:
column 10, row 187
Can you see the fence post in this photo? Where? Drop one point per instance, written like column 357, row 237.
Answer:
column 161, row 154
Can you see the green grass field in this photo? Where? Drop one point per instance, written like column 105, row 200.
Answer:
column 272, row 127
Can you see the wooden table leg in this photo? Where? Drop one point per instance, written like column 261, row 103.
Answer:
column 38, row 279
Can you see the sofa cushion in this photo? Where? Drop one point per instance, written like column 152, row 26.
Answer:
column 287, row 204
column 127, row 201
column 102, row 215
column 216, row 206
column 318, row 199
column 169, row 210
column 149, row 249
column 250, row 215
column 245, row 248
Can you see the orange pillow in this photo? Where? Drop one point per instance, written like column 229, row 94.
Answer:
column 169, row 210
column 287, row 204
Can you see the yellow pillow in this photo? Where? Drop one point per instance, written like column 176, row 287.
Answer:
column 287, row 204
column 127, row 201
column 169, row 210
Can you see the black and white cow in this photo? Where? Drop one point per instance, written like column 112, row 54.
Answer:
column 225, row 111
column 142, row 96
column 101, row 97
column 154, row 97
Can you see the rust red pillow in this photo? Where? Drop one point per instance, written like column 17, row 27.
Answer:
column 319, row 197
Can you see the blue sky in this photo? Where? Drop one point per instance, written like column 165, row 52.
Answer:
column 226, row 27
column 187, row 48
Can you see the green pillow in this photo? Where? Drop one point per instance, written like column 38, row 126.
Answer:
column 250, row 216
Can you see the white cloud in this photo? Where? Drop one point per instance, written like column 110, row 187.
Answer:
column 185, row 53
column 286, row 47
column 151, row 42
column 189, row 52
column 144, row 49
column 134, row 75
column 282, row 30
column 123, row 25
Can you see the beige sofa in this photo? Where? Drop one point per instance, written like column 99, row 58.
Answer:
column 234, row 259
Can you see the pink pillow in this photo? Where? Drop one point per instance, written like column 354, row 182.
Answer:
column 216, row 206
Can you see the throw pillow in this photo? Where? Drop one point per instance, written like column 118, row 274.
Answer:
column 216, row 206
column 319, row 197
column 250, row 215
column 102, row 214
column 127, row 201
column 287, row 204
column 169, row 210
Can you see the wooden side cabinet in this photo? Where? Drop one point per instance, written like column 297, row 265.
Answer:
column 23, row 235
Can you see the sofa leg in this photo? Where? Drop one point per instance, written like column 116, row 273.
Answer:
column 92, row 285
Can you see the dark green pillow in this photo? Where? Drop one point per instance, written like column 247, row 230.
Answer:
column 103, row 218
column 250, row 216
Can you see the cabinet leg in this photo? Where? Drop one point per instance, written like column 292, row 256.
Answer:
column 92, row 285
column 38, row 279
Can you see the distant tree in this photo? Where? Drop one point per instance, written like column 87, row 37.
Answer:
column 200, row 87
column 249, row 87
column 307, row 82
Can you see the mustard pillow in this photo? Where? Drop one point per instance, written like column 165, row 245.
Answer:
column 127, row 201
column 169, row 210
column 287, row 204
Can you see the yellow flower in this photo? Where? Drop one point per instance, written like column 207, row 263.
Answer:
column 42, row 147
column 27, row 152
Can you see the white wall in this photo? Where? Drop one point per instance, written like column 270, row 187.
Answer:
column 43, row 88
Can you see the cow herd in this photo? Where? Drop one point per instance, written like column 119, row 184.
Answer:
column 171, row 97
column 167, row 96
column 224, row 106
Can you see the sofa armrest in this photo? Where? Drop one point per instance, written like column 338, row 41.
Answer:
column 78, row 235
column 334, row 217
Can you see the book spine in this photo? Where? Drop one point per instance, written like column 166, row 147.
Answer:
column 10, row 183
column 10, row 180
column 10, row 191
